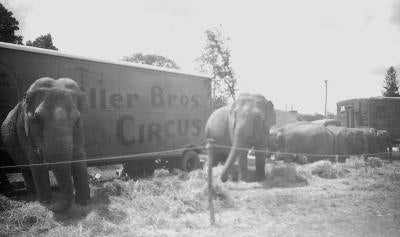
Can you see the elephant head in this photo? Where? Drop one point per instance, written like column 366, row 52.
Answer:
column 52, row 129
column 249, row 120
column 357, row 142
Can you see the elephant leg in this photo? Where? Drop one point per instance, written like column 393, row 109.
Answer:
column 219, row 156
column 260, row 163
column 243, row 169
column 64, row 180
column 81, row 183
column 41, row 180
column 3, row 178
column 28, row 179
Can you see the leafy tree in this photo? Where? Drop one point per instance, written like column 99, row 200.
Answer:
column 391, row 84
column 8, row 27
column 43, row 41
column 151, row 59
column 216, row 61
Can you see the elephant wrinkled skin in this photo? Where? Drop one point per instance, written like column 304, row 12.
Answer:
column 351, row 141
column 47, row 127
column 243, row 124
column 302, row 138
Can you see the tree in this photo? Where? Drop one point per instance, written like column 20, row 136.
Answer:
column 151, row 59
column 8, row 26
column 391, row 84
column 43, row 41
column 216, row 61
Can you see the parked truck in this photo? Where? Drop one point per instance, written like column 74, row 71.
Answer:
column 137, row 114
column 376, row 112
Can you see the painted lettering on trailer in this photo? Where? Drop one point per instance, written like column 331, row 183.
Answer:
column 129, row 131
column 100, row 98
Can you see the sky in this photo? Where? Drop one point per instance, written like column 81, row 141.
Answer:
column 283, row 49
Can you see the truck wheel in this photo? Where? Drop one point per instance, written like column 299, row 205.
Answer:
column 190, row 161
column 139, row 169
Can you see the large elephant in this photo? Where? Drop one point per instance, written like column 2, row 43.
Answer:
column 242, row 125
column 47, row 127
column 349, row 141
column 302, row 138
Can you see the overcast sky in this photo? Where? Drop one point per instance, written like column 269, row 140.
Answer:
column 283, row 49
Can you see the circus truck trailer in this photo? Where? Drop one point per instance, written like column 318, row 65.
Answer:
column 137, row 115
column 376, row 112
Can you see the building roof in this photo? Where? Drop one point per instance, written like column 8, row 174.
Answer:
column 120, row 63
column 383, row 98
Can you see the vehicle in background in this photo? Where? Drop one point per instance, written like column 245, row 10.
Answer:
column 137, row 114
column 381, row 113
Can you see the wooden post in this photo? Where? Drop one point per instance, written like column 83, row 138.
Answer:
column 210, row 146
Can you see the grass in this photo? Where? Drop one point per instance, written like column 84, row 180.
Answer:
column 292, row 197
column 136, row 207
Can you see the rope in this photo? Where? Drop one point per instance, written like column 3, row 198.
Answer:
column 122, row 157
column 150, row 155
column 302, row 154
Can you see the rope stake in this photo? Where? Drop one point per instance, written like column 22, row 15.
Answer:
column 210, row 146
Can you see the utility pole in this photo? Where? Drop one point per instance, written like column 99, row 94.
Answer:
column 326, row 94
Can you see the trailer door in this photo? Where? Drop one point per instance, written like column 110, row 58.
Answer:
column 9, row 95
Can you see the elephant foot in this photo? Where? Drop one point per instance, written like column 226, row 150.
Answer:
column 60, row 208
column 259, row 177
column 82, row 201
column 30, row 197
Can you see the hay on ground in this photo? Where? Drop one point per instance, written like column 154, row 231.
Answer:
column 325, row 169
column 284, row 175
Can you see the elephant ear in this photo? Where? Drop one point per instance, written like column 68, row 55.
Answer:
column 81, row 104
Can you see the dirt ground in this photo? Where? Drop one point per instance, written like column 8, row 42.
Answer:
column 319, row 199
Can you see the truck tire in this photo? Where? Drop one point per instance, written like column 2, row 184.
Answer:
column 139, row 169
column 190, row 161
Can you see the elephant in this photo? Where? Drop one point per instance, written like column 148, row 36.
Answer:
column 47, row 127
column 327, row 122
column 308, row 139
column 240, row 126
column 370, row 134
column 349, row 141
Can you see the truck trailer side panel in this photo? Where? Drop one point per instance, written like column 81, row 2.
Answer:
column 131, row 109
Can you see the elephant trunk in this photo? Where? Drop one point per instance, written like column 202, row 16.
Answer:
column 58, row 144
column 237, row 150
